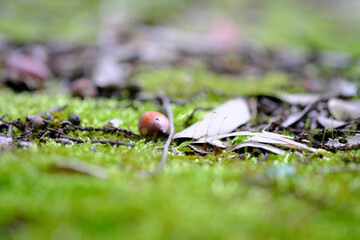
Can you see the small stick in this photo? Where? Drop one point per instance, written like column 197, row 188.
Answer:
column 3, row 116
column 124, row 132
column 79, row 140
column 9, row 131
column 51, row 110
column 160, row 167
column 44, row 135
column 27, row 132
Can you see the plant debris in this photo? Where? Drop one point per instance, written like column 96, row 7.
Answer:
column 274, row 123
column 223, row 119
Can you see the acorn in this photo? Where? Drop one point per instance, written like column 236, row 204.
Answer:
column 37, row 122
column 154, row 125
column 83, row 88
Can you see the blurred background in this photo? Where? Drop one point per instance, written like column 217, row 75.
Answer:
column 320, row 24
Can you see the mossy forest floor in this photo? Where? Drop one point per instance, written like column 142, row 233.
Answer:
column 212, row 197
column 226, row 196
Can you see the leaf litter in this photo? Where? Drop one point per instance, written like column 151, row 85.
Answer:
column 329, row 107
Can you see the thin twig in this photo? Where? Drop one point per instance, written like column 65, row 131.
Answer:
column 79, row 140
column 121, row 131
column 27, row 132
column 51, row 110
column 9, row 131
column 3, row 116
column 44, row 135
column 160, row 167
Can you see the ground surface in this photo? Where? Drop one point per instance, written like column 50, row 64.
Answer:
column 226, row 196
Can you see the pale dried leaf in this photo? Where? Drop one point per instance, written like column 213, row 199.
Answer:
column 257, row 145
column 293, row 118
column 330, row 122
column 354, row 140
column 344, row 110
column 335, row 143
column 300, row 99
column 342, row 87
column 216, row 142
column 224, row 119
column 280, row 141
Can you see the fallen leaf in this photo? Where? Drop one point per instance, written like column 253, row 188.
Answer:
column 300, row 99
column 334, row 143
column 294, row 118
column 344, row 110
column 216, row 142
column 342, row 87
column 223, row 119
column 354, row 140
column 257, row 145
column 330, row 122
column 262, row 140
column 280, row 141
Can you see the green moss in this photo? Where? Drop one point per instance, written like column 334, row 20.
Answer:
column 211, row 197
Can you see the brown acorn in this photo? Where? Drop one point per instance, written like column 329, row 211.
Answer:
column 37, row 122
column 154, row 125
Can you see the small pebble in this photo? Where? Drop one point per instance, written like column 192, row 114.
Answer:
column 23, row 144
column 74, row 119
column 63, row 141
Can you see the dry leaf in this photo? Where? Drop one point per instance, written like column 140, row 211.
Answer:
column 342, row 87
column 354, row 140
column 224, row 119
column 257, row 145
column 344, row 110
column 300, row 99
column 280, row 141
column 294, row 118
column 262, row 140
column 330, row 122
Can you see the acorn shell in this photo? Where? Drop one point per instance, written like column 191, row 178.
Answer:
column 154, row 125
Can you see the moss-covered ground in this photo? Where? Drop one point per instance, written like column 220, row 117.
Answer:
column 195, row 197
column 211, row 197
